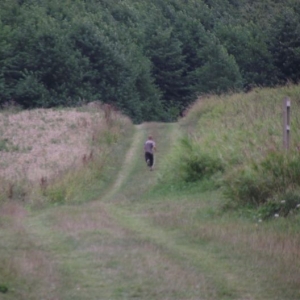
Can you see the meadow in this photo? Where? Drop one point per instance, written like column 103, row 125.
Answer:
column 50, row 154
column 105, row 227
column 237, row 141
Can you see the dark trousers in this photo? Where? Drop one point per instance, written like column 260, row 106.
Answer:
column 149, row 156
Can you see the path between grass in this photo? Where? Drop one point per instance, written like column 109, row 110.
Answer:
column 130, row 156
column 107, row 250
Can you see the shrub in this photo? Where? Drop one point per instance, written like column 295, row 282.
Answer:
column 284, row 167
column 192, row 164
column 281, row 206
column 3, row 289
column 246, row 186
column 258, row 182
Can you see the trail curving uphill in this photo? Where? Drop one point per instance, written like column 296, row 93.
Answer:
column 128, row 161
column 130, row 244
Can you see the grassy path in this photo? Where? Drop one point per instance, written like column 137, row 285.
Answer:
column 97, row 257
column 123, row 247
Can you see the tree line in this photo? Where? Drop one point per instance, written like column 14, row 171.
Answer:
column 150, row 58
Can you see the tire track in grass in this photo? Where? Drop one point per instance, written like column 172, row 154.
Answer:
column 183, row 257
column 106, row 252
column 215, row 274
column 98, row 255
column 127, row 165
column 56, row 227
column 100, row 258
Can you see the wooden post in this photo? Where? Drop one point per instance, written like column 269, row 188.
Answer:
column 286, row 123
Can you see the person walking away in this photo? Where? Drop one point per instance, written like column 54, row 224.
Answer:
column 149, row 148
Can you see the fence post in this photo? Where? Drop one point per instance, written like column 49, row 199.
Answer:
column 286, row 122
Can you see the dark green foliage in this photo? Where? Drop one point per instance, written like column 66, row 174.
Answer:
column 246, row 186
column 276, row 174
column 168, row 66
column 220, row 73
column 247, row 44
column 196, row 165
column 285, row 44
column 151, row 59
column 286, row 204
column 3, row 289
column 5, row 59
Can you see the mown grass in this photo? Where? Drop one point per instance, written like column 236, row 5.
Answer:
column 161, row 234
column 103, row 255
column 237, row 256
column 26, row 270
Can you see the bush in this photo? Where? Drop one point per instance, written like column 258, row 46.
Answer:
column 199, row 166
column 192, row 164
column 281, row 206
column 245, row 186
column 3, row 289
column 257, row 183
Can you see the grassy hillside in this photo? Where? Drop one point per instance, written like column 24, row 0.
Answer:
column 51, row 155
column 236, row 143
column 230, row 189
column 50, row 158
column 179, row 232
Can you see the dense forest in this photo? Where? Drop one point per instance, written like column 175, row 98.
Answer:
column 149, row 58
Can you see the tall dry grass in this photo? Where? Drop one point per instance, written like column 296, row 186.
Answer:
column 245, row 133
column 241, row 137
column 44, row 148
column 242, row 127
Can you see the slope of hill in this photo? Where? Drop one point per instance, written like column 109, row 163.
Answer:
column 238, row 142
column 40, row 147
column 162, row 234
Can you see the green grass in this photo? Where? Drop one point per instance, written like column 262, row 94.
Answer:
column 231, row 251
column 151, row 235
column 7, row 146
column 238, row 141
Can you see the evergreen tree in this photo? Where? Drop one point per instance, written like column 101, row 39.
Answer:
column 247, row 44
column 5, row 61
column 165, row 52
column 149, row 58
column 285, row 44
